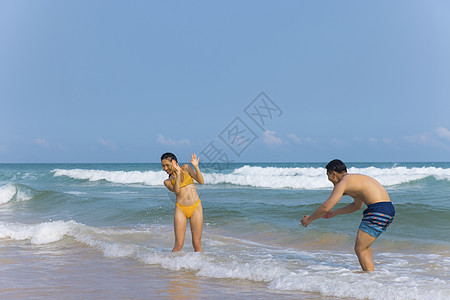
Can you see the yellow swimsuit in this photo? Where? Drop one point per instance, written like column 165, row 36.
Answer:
column 187, row 210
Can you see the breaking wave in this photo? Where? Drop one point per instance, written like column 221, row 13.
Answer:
column 263, row 177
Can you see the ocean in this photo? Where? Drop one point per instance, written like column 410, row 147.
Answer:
column 71, row 231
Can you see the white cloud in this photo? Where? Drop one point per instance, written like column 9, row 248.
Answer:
column 443, row 132
column 386, row 140
column 437, row 138
column 382, row 140
column 337, row 142
column 424, row 140
column 42, row 142
column 310, row 140
column 270, row 138
column 62, row 146
column 106, row 143
column 294, row 138
column 170, row 142
column 304, row 141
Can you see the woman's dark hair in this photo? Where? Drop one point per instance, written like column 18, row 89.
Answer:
column 169, row 155
column 336, row 165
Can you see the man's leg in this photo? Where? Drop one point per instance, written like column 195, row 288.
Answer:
column 363, row 251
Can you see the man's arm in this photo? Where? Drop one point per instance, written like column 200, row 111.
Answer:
column 334, row 198
column 352, row 207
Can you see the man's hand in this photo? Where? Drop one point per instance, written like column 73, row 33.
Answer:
column 306, row 221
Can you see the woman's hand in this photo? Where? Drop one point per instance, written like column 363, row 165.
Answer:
column 176, row 167
column 194, row 160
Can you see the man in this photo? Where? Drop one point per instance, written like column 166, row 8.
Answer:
column 363, row 189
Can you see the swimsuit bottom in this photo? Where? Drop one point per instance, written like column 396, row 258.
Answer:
column 377, row 217
column 188, row 210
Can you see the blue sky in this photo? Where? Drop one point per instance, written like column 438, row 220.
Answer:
column 125, row 81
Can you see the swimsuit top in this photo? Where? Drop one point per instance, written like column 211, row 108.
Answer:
column 186, row 180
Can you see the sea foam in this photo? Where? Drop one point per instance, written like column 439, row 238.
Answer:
column 42, row 233
column 122, row 177
column 7, row 192
column 264, row 177
column 11, row 191
column 279, row 269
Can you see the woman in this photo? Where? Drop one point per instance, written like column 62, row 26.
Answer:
column 188, row 204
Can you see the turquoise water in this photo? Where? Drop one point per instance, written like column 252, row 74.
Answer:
column 122, row 212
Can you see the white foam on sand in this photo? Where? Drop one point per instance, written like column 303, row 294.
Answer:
column 329, row 273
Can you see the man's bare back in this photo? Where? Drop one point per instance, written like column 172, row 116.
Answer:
column 364, row 188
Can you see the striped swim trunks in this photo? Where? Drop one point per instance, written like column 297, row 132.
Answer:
column 377, row 217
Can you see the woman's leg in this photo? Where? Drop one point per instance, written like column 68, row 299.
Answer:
column 197, row 227
column 179, row 226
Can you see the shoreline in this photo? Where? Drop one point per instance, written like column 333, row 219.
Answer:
column 69, row 271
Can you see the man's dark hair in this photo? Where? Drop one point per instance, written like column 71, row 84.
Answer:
column 169, row 155
column 336, row 165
